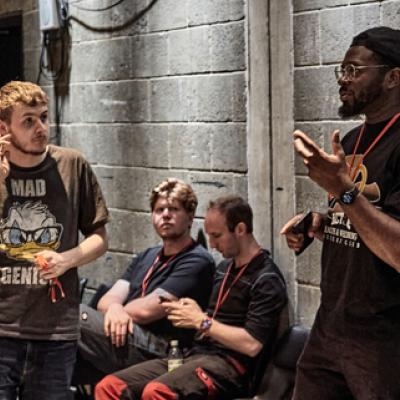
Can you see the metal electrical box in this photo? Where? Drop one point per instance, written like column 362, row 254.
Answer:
column 48, row 15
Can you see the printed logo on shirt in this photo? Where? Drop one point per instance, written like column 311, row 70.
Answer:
column 21, row 275
column 340, row 229
column 27, row 229
column 370, row 190
column 28, row 187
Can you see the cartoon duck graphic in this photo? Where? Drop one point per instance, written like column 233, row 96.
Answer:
column 28, row 229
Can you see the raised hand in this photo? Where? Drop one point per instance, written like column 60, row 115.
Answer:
column 4, row 164
column 329, row 171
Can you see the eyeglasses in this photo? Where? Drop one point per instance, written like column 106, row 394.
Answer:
column 351, row 71
column 15, row 236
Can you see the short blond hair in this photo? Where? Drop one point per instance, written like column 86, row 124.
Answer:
column 18, row 92
column 175, row 189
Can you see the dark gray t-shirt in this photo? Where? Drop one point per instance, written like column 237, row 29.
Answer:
column 45, row 209
column 254, row 302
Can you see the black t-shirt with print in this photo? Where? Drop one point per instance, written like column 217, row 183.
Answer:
column 45, row 208
column 356, row 285
column 254, row 303
column 188, row 274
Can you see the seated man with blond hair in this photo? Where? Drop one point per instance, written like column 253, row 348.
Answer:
column 130, row 325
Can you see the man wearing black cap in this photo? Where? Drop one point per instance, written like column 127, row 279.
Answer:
column 354, row 347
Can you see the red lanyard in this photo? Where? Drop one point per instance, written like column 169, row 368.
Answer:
column 55, row 284
column 371, row 146
column 223, row 296
column 147, row 278
column 150, row 272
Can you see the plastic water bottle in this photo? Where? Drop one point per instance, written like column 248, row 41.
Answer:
column 175, row 357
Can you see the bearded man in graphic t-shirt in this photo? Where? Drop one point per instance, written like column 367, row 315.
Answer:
column 354, row 348
column 49, row 195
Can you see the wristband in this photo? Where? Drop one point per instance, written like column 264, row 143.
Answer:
column 349, row 196
column 205, row 325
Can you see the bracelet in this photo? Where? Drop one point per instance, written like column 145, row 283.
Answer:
column 205, row 325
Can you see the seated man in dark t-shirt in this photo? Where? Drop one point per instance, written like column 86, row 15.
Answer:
column 130, row 325
column 249, row 293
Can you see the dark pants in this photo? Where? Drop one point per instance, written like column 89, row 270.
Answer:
column 360, row 363
column 200, row 377
column 97, row 356
column 36, row 369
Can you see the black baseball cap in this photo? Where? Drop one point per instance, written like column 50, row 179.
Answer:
column 383, row 41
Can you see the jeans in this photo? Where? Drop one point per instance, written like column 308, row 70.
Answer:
column 36, row 369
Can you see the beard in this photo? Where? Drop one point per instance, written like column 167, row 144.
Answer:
column 23, row 150
column 171, row 235
column 351, row 110
column 365, row 98
column 174, row 234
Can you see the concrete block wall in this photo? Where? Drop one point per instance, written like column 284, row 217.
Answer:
column 147, row 98
column 165, row 94
column 323, row 30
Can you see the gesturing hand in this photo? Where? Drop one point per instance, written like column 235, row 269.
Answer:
column 329, row 171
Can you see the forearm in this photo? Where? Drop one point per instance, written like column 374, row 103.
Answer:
column 145, row 310
column 56, row 264
column 105, row 302
column 234, row 338
column 186, row 313
column 92, row 247
column 118, row 294
column 379, row 232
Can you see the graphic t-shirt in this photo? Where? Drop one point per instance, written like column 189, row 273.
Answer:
column 45, row 209
column 356, row 285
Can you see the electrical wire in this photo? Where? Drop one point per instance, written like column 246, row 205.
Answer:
column 46, row 67
column 97, row 9
column 64, row 11
column 51, row 41
column 117, row 28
